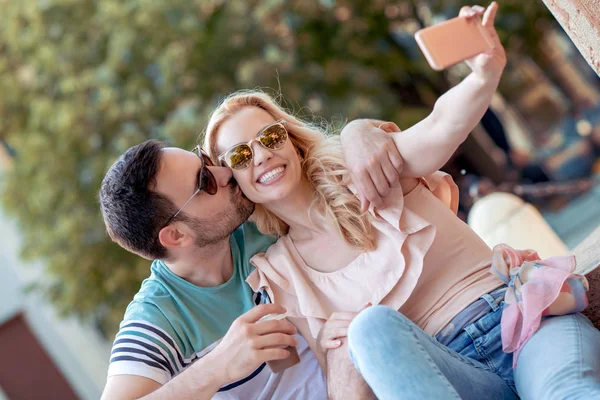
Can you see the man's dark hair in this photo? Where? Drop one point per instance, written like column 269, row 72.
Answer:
column 133, row 213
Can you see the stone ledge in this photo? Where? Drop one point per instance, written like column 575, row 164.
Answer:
column 588, row 259
column 581, row 20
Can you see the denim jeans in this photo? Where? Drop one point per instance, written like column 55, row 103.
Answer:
column 400, row 361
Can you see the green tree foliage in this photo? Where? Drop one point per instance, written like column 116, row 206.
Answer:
column 83, row 80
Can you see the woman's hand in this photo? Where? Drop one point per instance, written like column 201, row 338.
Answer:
column 335, row 329
column 489, row 64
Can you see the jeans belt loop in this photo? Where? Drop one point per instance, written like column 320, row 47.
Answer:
column 492, row 303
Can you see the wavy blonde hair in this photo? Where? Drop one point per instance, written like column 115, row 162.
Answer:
column 323, row 165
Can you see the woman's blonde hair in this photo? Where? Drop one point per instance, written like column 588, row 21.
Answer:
column 322, row 164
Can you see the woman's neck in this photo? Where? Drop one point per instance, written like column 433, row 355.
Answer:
column 298, row 211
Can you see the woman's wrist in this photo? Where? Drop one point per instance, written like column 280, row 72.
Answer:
column 487, row 81
column 491, row 74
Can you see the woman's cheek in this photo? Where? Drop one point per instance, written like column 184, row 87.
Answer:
column 244, row 180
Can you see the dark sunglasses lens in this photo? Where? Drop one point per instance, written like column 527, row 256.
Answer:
column 239, row 157
column 274, row 137
column 208, row 183
column 206, row 159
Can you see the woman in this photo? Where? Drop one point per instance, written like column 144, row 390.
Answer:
column 413, row 255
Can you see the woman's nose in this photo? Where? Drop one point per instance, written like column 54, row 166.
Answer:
column 261, row 153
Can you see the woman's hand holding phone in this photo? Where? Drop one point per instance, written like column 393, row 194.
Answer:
column 491, row 63
column 465, row 38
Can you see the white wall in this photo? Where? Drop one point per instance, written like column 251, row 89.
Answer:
column 78, row 351
column 11, row 297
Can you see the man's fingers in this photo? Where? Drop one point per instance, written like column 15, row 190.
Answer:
column 273, row 354
column 381, row 183
column 390, row 172
column 358, row 181
column 261, row 311
column 369, row 190
column 395, row 159
column 359, row 190
column 282, row 325
column 364, row 204
column 273, row 340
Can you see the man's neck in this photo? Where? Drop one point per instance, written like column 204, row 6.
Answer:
column 207, row 266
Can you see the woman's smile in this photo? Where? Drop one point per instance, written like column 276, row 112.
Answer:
column 272, row 176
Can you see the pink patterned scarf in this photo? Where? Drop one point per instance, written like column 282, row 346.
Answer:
column 536, row 288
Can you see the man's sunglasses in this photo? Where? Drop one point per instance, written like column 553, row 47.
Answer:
column 206, row 180
column 239, row 156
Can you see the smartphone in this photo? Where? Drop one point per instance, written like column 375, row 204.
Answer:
column 453, row 41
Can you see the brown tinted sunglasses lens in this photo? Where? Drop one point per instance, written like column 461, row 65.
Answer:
column 239, row 157
column 273, row 137
column 208, row 183
column 206, row 158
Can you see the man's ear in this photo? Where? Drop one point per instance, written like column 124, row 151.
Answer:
column 173, row 236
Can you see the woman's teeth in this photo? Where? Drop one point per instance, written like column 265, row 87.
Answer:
column 272, row 174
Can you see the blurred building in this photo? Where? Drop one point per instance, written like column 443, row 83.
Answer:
column 42, row 355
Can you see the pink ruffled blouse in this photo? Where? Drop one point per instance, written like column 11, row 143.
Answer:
column 428, row 264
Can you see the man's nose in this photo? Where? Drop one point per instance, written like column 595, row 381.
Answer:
column 222, row 175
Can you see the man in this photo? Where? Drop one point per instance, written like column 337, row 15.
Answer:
column 192, row 330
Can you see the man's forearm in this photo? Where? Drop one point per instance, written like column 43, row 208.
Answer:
column 343, row 380
column 200, row 381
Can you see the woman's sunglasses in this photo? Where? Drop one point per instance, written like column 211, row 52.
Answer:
column 239, row 156
column 206, row 180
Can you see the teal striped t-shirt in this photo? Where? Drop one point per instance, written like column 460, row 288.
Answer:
column 172, row 322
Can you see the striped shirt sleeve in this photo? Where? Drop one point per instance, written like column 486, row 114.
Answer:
column 145, row 349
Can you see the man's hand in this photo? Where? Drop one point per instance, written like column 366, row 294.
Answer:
column 488, row 65
column 372, row 158
column 247, row 344
column 250, row 342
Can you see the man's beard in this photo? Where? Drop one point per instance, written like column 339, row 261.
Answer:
column 218, row 227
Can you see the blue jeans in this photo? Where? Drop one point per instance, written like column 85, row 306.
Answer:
column 400, row 361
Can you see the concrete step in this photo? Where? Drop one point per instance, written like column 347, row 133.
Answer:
column 578, row 219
